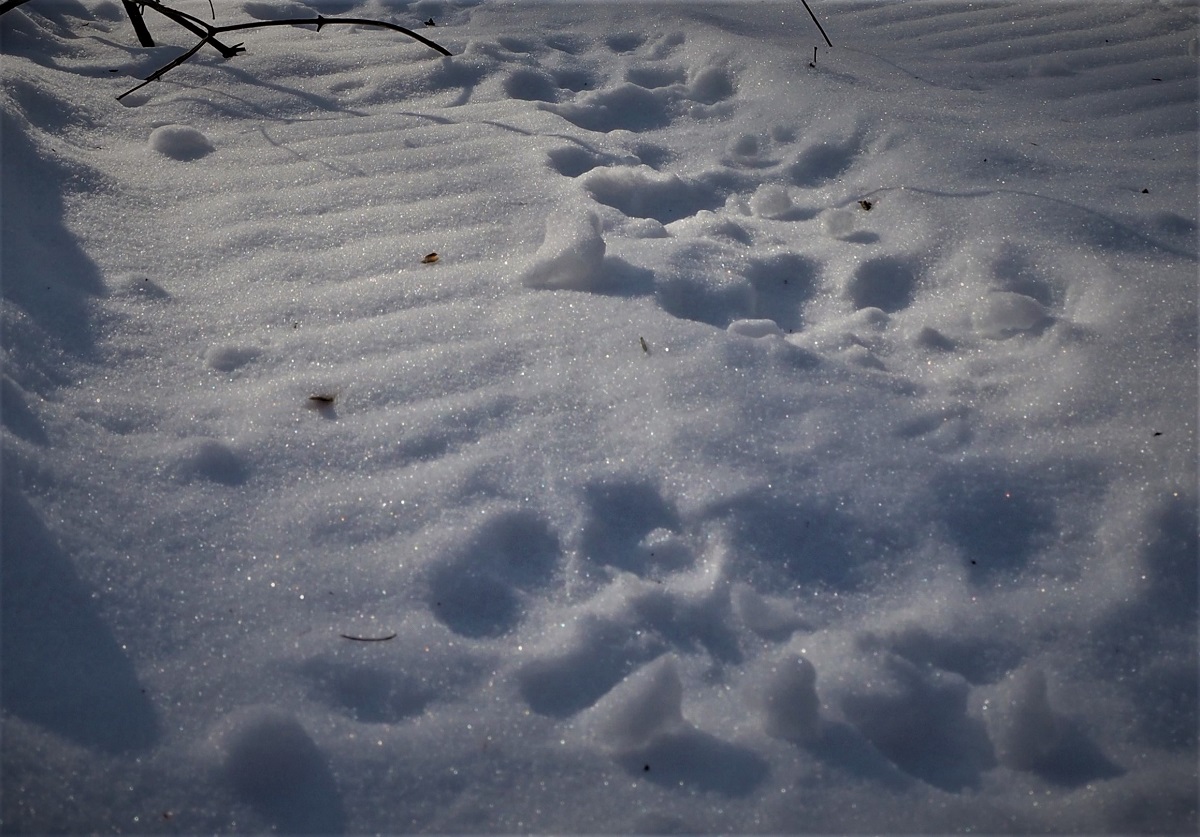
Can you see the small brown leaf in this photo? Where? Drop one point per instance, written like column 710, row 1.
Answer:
column 430, row 258
column 866, row 205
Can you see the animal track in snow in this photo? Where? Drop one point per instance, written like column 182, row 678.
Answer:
column 641, row 721
column 574, row 160
column 642, row 192
column 704, row 288
column 1031, row 735
column 980, row 654
column 213, row 461
column 824, row 161
column 665, row 45
column 750, row 151
column 273, row 764
column 887, row 283
column 625, row 41
column 531, row 85
column 782, row 285
column 621, row 517
column 600, row 652
column 230, row 357
column 538, row 84
column 651, row 98
column 998, row 521
column 477, row 593
column 918, row 718
column 818, row 543
column 625, row 106
column 653, row 76
column 369, row 694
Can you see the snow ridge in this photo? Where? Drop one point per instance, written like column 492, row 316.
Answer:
column 769, row 448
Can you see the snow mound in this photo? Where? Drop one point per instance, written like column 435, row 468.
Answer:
column 838, row 223
column 642, row 192
column 772, row 618
column 790, row 706
column 214, row 461
column 571, row 256
column 1024, row 727
column 919, row 719
column 755, row 328
column 770, row 201
column 1031, row 736
column 1004, row 314
column 180, row 142
column 646, row 705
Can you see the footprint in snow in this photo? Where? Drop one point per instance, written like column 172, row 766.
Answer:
column 598, row 655
column 621, row 519
column 641, row 723
column 369, row 694
column 642, row 192
column 888, row 283
column 211, row 461
column 272, row 763
column 478, row 592
column 918, row 719
column 823, row 162
column 650, row 98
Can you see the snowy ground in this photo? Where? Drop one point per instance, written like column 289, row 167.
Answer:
column 771, row 447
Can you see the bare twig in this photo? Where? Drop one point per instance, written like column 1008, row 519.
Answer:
column 161, row 71
column 194, row 25
column 207, row 34
column 134, row 13
column 819, row 26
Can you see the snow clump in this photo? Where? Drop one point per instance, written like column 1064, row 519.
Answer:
column 770, row 201
column 180, row 142
column 1004, row 314
column 571, row 256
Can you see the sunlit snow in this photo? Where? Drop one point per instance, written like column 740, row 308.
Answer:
column 784, row 439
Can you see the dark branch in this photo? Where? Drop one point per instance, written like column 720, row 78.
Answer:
column 194, row 25
column 208, row 33
column 321, row 20
column 819, row 26
column 161, row 71
column 139, row 24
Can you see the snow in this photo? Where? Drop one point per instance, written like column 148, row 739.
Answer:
column 572, row 253
column 771, row 447
column 179, row 142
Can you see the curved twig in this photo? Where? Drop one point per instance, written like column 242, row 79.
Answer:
column 321, row 20
column 208, row 33
column 194, row 25
column 162, row 71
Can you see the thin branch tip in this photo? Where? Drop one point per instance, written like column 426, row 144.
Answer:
column 207, row 33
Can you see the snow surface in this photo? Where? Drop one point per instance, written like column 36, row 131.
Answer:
column 771, row 447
